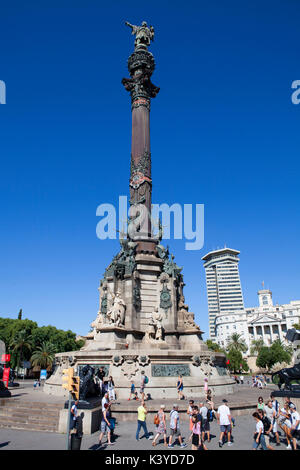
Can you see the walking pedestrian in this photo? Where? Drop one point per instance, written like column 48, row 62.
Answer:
column 143, row 385
column 106, row 425
column 190, row 413
column 295, row 428
column 259, row 433
column 196, row 432
column 104, row 400
column 224, row 420
column 141, row 422
column 275, row 406
column 271, row 414
column 180, row 388
column 205, row 426
column 175, row 427
column 111, row 389
column 132, row 391
column 285, row 423
column 160, row 425
column 74, row 413
column 267, row 428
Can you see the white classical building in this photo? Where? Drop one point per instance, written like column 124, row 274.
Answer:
column 267, row 321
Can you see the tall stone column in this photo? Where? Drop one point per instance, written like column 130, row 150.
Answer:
column 141, row 66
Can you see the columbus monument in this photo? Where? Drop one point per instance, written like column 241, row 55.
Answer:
column 143, row 322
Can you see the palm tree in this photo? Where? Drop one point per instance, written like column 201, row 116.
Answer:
column 236, row 343
column 20, row 343
column 256, row 346
column 44, row 355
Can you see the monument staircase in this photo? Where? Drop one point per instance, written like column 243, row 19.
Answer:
column 29, row 416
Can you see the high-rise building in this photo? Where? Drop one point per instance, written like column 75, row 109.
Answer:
column 224, row 292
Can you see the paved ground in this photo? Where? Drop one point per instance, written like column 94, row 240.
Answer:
column 125, row 438
column 125, row 431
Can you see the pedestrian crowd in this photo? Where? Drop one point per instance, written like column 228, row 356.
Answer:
column 269, row 417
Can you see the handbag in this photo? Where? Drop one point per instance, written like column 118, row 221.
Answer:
column 156, row 420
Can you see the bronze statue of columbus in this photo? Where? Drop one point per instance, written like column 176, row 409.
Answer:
column 143, row 34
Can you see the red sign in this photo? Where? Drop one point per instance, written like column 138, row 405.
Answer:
column 6, row 376
column 5, row 357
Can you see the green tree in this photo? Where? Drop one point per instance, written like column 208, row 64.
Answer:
column 256, row 346
column 236, row 343
column 237, row 363
column 278, row 352
column 44, row 355
column 297, row 326
column 21, row 345
column 20, row 314
column 213, row 346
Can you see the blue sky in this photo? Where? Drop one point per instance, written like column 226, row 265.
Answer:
column 224, row 133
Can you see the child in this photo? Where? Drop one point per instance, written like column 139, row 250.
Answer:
column 132, row 391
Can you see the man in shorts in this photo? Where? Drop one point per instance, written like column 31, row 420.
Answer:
column 295, row 428
column 224, row 420
column 205, row 423
column 175, row 427
column 275, row 406
column 142, row 387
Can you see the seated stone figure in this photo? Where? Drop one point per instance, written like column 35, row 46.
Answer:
column 116, row 313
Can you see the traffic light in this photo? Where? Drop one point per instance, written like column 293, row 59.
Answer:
column 67, row 378
column 75, row 387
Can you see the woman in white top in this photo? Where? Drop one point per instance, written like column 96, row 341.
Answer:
column 285, row 424
column 111, row 389
column 259, row 438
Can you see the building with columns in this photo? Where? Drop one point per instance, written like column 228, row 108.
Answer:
column 266, row 321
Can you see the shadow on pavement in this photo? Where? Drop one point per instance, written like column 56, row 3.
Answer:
column 3, row 444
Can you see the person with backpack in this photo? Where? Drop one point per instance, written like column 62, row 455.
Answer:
column 160, row 425
column 206, row 415
column 144, row 381
column 175, row 427
column 275, row 406
column 267, row 428
column 259, row 433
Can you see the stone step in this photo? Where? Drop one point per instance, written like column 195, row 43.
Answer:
column 36, row 405
column 33, row 416
column 28, row 427
column 29, row 416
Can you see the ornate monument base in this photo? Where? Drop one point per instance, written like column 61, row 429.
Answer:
column 162, row 367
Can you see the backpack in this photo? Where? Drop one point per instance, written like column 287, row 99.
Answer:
column 146, row 380
column 266, row 423
column 210, row 415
